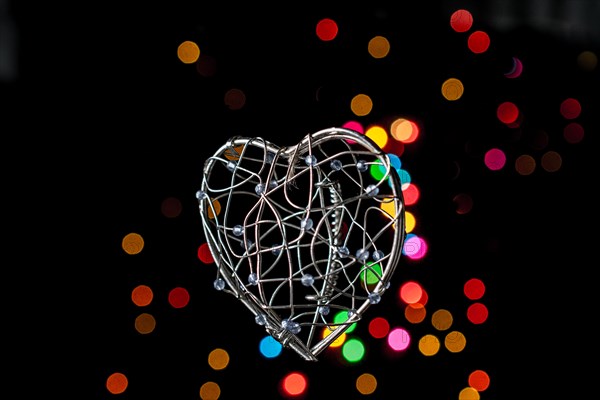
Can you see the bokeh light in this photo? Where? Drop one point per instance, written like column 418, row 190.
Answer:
column 429, row 345
column 353, row 350
column 570, row 108
column 142, row 295
column 188, row 52
column 463, row 203
column 361, row 105
column 479, row 380
column 379, row 327
column 461, row 20
column 235, row 99
column 455, row 341
column 218, row 359
column 525, row 164
column 477, row 313
column 204, row 254
column 442, row 319
column 269, row 347
column 210, row 391
column 327, row 29
column 132, row 243
column 474, row 289
column 411, row 193
column 573, row 132
column 494, row 159
column 171, row 207
column 415, row 313
column 398, row 339
column 378, row 47
column 468, row 393
column 414, row 247
column 377, row 134
column 145, row 323
column 294, row 384
column 551, row 161
column 452, row 89
column 179, row 297
column 507, row 112
column 117, row 383
column 478, row 42
column 366, row 383
column 410, row 292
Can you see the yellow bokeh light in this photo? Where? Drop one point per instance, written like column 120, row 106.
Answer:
column 410, row 221
column 378, row 135
column 215, row 209
column 468, row 393
column 379, row 47
column 452, row 89
column 210, row 391
column 429, row 345
column 361, row 105
column 338, row 341
column 188, row 52
column 441, row 320
column 132, row 243
column 366, row 383
column 401, row 129
column 455, row 341
column 218, row 359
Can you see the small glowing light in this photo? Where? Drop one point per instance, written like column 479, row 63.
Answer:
column 429, row 345
column 398, row 339
column 204, row 254
column 474, row 289
column 461, row 20
column 478, row 42
column 442, row 320
column 218, row 359
column 145, row 323
column 142, row 295
column 179, row 297
column 570, row 108
column 132, row 243
column 327, row 29
column 188, row 52
column 378, row 47
column 353, row 350
column 477, row 313
column 294, row 383
column 210, row 391
column 361, row 105
column 551, row 161
column 573, row 133
column 452, row 89
column 366, row 383
column 117, row 383
column 410, row 292
column 495, row 159
column 525, row 164
column 507, row 112
column 455, row 342
column 379, row 327
column 269, row 347
column 479, row 380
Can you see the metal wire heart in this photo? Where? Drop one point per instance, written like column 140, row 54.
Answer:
column 302, row 233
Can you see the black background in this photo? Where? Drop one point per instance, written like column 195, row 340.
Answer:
column 103, row 122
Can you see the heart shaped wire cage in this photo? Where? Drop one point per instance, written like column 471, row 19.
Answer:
column 302, row 235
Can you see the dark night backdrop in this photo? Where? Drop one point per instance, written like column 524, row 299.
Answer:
column 107, row 123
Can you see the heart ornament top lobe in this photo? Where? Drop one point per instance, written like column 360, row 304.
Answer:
column 305, row 233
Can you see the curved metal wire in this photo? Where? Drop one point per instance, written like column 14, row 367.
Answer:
column 307, row 237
